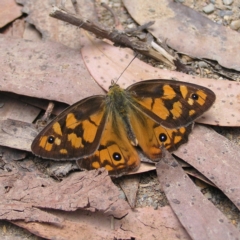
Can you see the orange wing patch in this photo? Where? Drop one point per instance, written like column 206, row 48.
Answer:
column 76, row 141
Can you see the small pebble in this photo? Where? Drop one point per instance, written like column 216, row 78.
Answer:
column 208, row 195
column 180, row 1
column 202, row 64
column 209, row 8
column 227, row 2
column 223, row 13
column 235, row 25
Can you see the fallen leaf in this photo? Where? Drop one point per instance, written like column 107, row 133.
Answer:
column 51, row 29
column 216, row 157
column 9, row 10
column 44, row 70
column 200, row 217
column 188, row 31
column 101, row 61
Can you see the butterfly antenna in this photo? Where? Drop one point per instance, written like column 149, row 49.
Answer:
column 126, row 67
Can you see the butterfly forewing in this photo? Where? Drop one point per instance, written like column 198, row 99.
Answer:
column 74, row 133
column 171, row 103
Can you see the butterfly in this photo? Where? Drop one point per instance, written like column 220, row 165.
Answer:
column 106, row 130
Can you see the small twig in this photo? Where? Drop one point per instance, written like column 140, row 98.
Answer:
column 118, row 38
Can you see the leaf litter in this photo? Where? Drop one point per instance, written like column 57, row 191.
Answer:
column 193, row 142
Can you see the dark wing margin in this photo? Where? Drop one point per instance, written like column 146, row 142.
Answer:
column 74, row 133
column 171, row 103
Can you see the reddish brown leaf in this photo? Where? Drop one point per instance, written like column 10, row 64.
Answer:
column 200, row 217
column 215, row 157
column 9, row 10
column 51, row 29
column 45, row 70
column 188, row 31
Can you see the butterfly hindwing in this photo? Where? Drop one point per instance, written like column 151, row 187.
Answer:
column 115, row 152
column 152, row 137
column 74, row 133
column 171, row 103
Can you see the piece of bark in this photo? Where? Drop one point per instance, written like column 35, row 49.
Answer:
column 143, row 223
column 30, row 193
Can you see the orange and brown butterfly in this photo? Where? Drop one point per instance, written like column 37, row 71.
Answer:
column 104, row 130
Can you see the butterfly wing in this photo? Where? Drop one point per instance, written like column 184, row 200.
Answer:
column 74, row 133
column 171, row 103
column 115, row 152
column 153, row 138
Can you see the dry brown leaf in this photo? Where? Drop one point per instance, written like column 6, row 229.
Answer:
column 188, row 31
column 200, row 217
column 143, row 223
column 216, row 158
column 45, row 70
column 101, row 61
column 50, row 28
column 9, row 155
column 14, row 109
column 9, row 10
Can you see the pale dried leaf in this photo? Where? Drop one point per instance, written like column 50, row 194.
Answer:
column 9, row 11
column 100, row 59
column 45, row 70
column 188, row 31
column 50, row 28
column 200, row 217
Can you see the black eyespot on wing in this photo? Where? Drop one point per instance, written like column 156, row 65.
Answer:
column 117, row 156
column 51, row 139
column 162, row 137
column 195, row 96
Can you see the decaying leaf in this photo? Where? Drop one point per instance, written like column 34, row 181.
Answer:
column 188, row 31
column 199, row 216
column 9, row 10
column 216, row 158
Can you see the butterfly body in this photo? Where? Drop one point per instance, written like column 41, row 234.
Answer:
column 103, row 131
